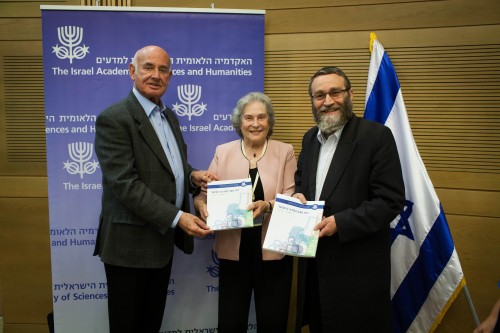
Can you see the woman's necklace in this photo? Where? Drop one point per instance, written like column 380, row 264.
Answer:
column 254, row 153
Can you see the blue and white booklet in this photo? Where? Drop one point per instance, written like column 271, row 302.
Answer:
column 227, row 202
column 291, row 227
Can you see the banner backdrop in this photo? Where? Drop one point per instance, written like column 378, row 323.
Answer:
column 217, row 57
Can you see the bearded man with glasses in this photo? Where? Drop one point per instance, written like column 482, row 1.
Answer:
column 353, row 165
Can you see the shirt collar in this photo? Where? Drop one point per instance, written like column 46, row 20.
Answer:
column 336, row 134
column 146, row 104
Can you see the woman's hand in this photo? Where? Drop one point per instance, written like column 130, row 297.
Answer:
column 200, row 205
column 260, row 207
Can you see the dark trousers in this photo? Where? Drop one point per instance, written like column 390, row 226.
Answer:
column 136, row 298
column 269, row 280
column 312, row 301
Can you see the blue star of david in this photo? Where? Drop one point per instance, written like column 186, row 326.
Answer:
column 403, row 226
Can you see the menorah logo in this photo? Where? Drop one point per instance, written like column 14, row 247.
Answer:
column 70, row 37
column 189, row 94
column 80, row 153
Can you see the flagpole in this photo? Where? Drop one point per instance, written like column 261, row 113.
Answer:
column 471, row 305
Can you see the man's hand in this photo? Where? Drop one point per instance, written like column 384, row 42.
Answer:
column 201, row 178
column 193, row 226
column 327, row 227
column 300, row 196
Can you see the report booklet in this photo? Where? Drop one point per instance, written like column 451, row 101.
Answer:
column 291, row 227
column 227, row 201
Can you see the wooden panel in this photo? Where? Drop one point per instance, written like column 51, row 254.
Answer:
column 24, row 118
column 383, row 16
column 12, row 48
column 20, row 29
column 28, row 8
column 22, row 112
column 25, row 328
column 261, row 4
column 25, row 260
column 470, row 203
column 465, row 180
column 23, row 187
column 477, row 240
column 443, row 36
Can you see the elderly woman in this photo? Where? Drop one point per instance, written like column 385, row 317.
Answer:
column 244, row 266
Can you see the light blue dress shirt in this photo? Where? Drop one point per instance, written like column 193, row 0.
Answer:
column 328, row 147
column 164, row 132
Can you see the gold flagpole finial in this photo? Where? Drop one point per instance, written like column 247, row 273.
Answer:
column 373, row 36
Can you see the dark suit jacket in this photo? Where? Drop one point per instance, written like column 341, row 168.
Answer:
column 138, row 199
column 364, row 190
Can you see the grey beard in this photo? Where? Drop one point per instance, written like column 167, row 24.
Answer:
column 329, row 124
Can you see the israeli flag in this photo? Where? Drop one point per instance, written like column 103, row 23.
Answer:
column 426, row 272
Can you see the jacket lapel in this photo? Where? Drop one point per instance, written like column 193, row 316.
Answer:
column 313, row 160
column 147, row 131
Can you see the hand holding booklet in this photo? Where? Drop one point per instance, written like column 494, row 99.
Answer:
column 227, row 202
column 291, row 227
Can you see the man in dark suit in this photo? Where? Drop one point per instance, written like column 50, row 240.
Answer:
column 353, row 165
column 145, row 204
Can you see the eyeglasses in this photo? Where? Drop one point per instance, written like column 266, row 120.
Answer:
column 334, row 93
column 250, row 119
